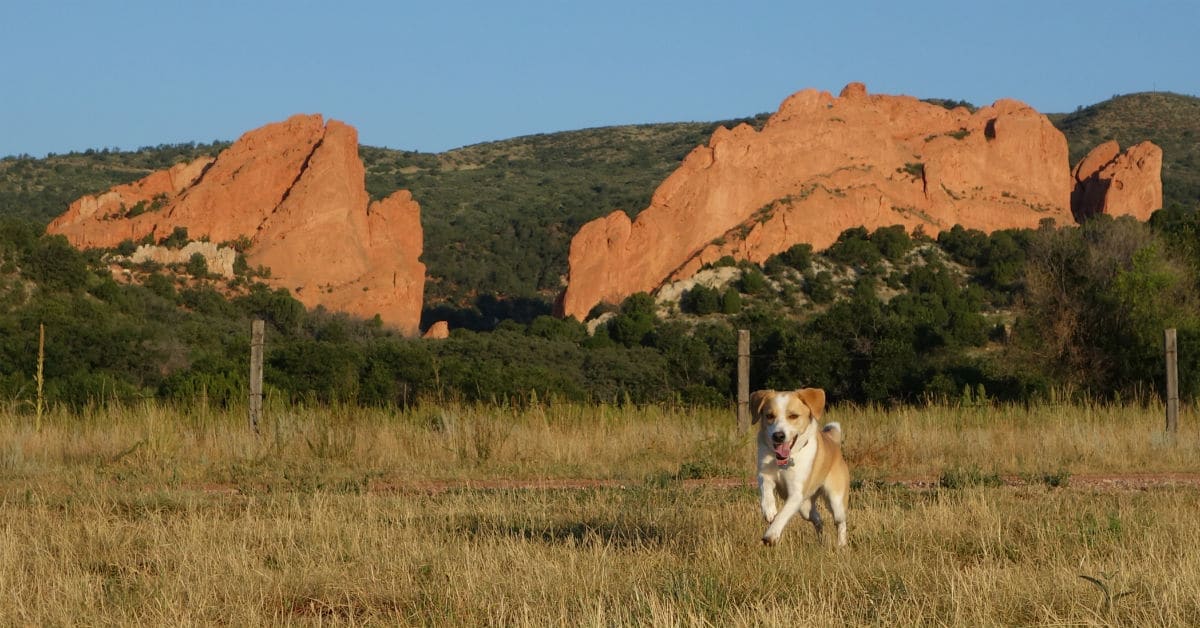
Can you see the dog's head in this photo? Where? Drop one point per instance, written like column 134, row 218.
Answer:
column 784, row 416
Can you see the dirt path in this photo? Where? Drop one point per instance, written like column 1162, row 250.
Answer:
column 1102, row 482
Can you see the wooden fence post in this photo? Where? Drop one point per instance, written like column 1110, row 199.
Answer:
column 1172, row 382
column 743, row 381
column 256, row 374
column 41, row 379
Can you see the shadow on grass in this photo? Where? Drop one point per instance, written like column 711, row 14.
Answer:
column 586, row 533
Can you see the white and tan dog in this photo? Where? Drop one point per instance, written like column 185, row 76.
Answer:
column 798, row 460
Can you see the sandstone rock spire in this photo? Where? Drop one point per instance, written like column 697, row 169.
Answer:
column 295, row 189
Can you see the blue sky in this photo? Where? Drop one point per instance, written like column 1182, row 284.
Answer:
column 435, row 75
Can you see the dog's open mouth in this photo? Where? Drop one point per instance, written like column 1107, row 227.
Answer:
column 783, row 452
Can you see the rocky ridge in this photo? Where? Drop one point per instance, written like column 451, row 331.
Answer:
column 822, row 164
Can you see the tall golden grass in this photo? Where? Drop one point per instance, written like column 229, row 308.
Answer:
column 179, row 516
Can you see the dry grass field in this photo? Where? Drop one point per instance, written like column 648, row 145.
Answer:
column 155, row 516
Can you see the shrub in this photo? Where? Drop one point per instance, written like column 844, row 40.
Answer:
column 798, row 256
column 819, row 287
column 551, row 328
column 55, row 265
column 892, row 242
column 752, row 281
column 854, row 248
column 731, row 301
column 700, row 300
column 965, row 246
column 162, row 286
column 635, row 321
column 178, row 238
column 197, row 266
column 914, row 169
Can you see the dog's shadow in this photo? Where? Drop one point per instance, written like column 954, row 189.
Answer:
column 593, row 532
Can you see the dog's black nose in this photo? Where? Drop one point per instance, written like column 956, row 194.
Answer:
column 778, row 436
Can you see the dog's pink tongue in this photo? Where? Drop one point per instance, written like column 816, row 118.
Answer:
column 783, row 451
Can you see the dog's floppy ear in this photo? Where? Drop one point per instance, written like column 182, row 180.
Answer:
column 757, row 399
column 814, row 398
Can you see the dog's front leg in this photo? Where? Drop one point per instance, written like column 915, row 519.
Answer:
column 796, row 503
column 766, row 490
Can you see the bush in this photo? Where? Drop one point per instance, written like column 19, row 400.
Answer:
column 197, row 266
column 965, row 246
column 564, row 329
column 854, row 248
column 892, row 242
column 819, row 287
column 55, row 265
column 798, row 256
column 700, row 300
column 752, row 280
column 162, row 286
column 731, row 301
column 177, row 239
column 635, row 321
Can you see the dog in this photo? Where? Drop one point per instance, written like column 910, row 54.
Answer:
column 798, row 461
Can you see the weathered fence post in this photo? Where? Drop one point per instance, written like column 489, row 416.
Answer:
column 41, row 380
column 1172, row 382
column 743, row 381
column 256, row 374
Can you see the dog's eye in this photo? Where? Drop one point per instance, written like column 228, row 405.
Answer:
column 770, row 416
column 793, row 416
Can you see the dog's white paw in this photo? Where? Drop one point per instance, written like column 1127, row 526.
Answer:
column 770, row 539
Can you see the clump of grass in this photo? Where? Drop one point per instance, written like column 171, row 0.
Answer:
column 1056, row 479
column 956, row 477
column 914, row 169
column 1109, row 600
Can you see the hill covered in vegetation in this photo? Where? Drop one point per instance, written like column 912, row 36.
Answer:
column 880, row 316
column 498, row 216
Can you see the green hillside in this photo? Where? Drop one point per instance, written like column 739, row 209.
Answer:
column 498, row 217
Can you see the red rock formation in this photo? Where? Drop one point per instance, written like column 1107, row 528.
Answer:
column 296, row 190
column 437, row 331
column 1109, row 182
column 125, row 210
column 821, row 165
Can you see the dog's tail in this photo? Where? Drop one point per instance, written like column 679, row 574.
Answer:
column 834, row 430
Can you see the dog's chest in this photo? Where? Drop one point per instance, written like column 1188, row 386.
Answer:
column 796, row 472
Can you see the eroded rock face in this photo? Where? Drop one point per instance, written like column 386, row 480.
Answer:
column 1110, row 182
column 295, row 189
column 218, row 259
column 823, row 164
